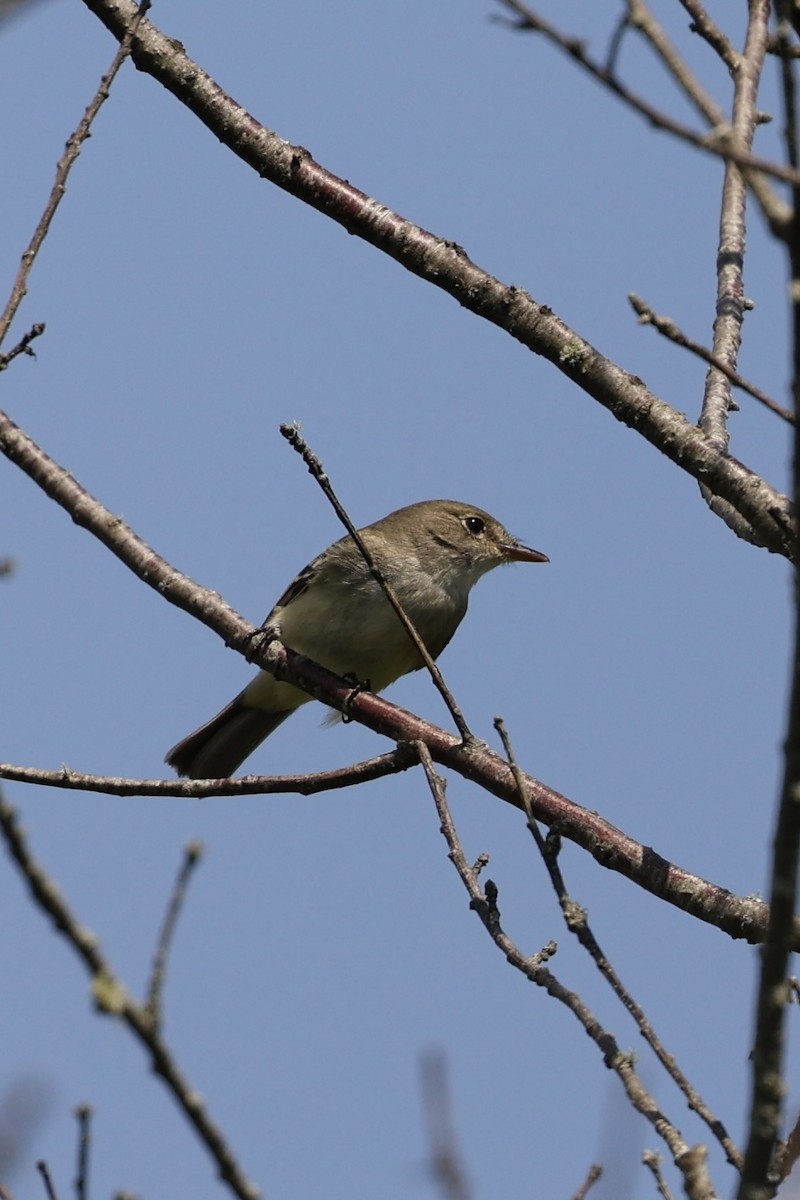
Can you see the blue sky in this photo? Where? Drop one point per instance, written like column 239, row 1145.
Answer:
column 191, row 308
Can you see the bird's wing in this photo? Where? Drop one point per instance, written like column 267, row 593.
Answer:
column 296, row 588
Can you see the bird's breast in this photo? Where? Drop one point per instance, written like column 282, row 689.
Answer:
column 352, row 628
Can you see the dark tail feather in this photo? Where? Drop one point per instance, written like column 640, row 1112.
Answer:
column 216, row 749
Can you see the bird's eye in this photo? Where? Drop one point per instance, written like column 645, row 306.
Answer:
column 475, row 525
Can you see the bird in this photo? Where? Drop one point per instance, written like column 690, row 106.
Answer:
column 336, row 613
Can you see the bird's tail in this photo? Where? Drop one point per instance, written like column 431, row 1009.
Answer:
column 216, row 749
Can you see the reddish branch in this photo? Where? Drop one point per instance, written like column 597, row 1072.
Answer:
column 737, row 916
column 765, row 511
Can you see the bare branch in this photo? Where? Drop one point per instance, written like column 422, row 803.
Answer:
column 112, row 997
column 399, row 759
column 642, row 18
column 717, row 141
column 731, row 245
column 23, row 346
column 776, row 211
column 484, row 902
column 711, row 33
column 44, row 1171
column 730, row 255
column 71, row 152
column 594, row 1173
column 577, row 921
column 608, row 845
column 669, row 329
column 653, row 1163
column 83, row 1115
column 191, row 857
column 445, row 264
column 697, row 1181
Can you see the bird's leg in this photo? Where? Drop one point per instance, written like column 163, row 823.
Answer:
column 259, row 639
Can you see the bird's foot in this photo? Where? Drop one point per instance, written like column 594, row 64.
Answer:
column 259, row 639
column 361, row 685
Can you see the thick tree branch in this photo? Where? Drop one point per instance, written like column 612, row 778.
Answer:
column 739, row 917
column 764, row 510
column 768, row 1094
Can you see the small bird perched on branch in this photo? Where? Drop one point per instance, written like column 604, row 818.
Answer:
column 336, row 613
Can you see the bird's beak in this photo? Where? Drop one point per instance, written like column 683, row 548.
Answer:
column 517, row 553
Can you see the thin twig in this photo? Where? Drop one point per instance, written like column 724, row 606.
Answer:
column 399, row 759
column 672, row 331
column 446, row 1161
column 653, row 1161
column 776, row 211
column 65, row 164
column 711, row 33
column 643, row 19
column 44, row 1171
column 717, row 141
column 112, row 997
column 23, row 346
column 484, row 902
column 153, row 1004
column 297, row 442
column 83, row 1115
column 624, row 23
column 577, row 921
column 594, row 1173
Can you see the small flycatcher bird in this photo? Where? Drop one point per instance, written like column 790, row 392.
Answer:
column 336, row 613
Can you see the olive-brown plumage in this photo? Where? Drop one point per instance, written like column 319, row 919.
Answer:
column 335, row 613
